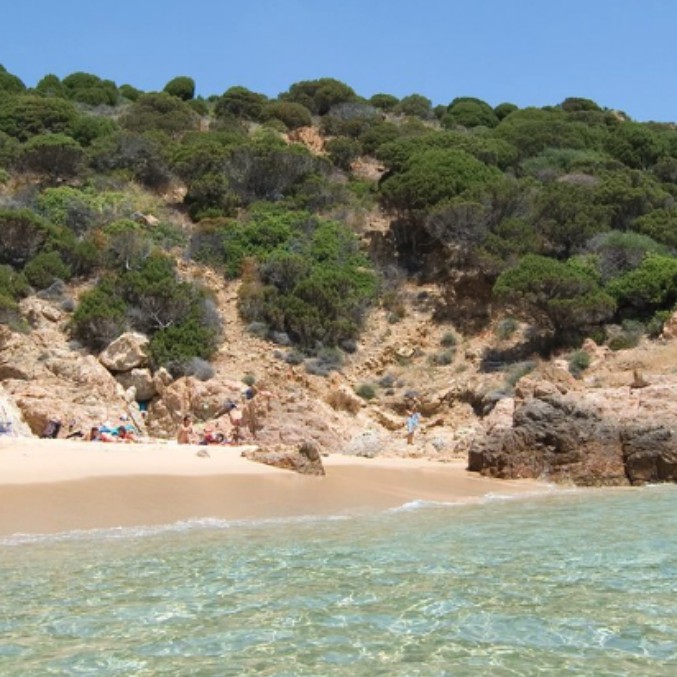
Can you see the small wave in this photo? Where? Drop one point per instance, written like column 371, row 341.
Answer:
column 420, row 504
column 145, row 531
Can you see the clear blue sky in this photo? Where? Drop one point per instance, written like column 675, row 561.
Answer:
column 619, row 53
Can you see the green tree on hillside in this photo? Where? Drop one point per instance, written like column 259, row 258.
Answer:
column 564, row 298
column 182, row 87
column 29, row 115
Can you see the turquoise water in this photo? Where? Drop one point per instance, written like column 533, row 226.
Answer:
column 576, row 583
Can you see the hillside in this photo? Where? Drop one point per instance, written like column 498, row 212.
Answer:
column 350, row 258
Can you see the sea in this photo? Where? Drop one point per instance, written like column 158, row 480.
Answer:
column 564, row 582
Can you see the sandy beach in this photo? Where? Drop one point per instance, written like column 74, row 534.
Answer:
column 50, row 486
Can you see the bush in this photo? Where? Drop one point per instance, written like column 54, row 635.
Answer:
column 200, row 369
column 506, row 328
column 449, row 339
column 319, row 95
column 627, row 336
column 366, row 391
column 29, row 115
column 240, row 102
column 326, row 361
column 182, row 87
column 578, row 363
column 22, row 235
column 45, row 268
column 343, row 151
column 55, row 155
column 292, row 115
column 442, row 358
column 650, row 287
column 100, row 317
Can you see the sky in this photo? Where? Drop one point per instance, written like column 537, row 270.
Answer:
column 619, row 53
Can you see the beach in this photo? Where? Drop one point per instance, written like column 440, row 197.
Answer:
column 52, row 486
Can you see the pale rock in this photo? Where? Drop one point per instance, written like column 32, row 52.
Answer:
column 141, row 379
column 126, row 352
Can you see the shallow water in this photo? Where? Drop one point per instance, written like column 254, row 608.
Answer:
column 576, row 583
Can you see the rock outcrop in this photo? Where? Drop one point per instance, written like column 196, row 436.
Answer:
column 611, row 436
column 304, row 459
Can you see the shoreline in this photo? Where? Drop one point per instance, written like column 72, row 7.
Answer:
column 55, row 486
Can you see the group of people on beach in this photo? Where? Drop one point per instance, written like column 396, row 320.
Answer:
column 240, row 417
column 123, row 433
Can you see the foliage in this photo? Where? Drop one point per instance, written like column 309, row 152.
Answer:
column 343, row 151
column 9, row 83
column 579, row 361
column 618, row 253
column 565, row 298
column 318, row 96
column 366, row 391
column 22, row 236
column 385, row 102
column 182, row 87
column 42, row 270
column 55, row 155
column 469, row 112
column 99, row 317
column 27, row 115
column 241, row 102
column 159, row 112
column 90, row 89
column 292, row 114
column 431, row 176
column 51, row 85
column 636, row 145
column 650, row 287
column 142, row 157
column 449, row 339
column 659, row 225
column 567, row 215
column 415, row 105
column 532, row 130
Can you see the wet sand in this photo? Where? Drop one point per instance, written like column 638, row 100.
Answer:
column 50, row 486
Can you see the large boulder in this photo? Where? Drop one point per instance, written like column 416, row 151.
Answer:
column 304, row 459
column 141, row 380
column 126, row 352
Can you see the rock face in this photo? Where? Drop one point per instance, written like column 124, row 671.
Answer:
column 588, row 438
column 125, row 353
column 305, row 459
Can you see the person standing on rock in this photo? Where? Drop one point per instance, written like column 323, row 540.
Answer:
column 413, row 419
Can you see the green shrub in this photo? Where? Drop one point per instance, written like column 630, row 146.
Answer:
column 292, row 115
column 650, row 287
column 182, row 87
column 366, row 391
column 506, row 328
column 45, row 268
column 442, row 358
column 55, row 155
column 449, row 339
column 28, row 115
column 343, row 151
column 654, row 327
column 578, row 363
column 100, row 316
